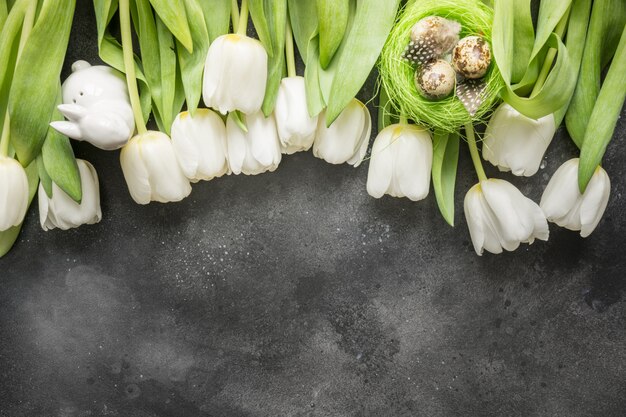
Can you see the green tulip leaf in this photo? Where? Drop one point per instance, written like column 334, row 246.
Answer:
column 575, row 42
column 168, row 75
column 333, row 22
column 216, row 16
column 9, row 39
column 259, row 11
column 172, row 14
column 304, row 23
column 31, row 103
column 599, row 44
column 59, row 161
column 277, row 21
column 372, row 22
column 4, row 12
column 240, row 120
column 445, row 163
column 604, row 117
column 314, row 98
column 192, row 65
column 145, row 27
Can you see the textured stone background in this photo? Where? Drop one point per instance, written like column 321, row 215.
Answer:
column 296, row 294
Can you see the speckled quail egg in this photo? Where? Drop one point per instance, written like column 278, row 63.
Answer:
column 435, row 80
column 471, row 57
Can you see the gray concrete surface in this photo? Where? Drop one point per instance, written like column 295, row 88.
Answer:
column 296, row 294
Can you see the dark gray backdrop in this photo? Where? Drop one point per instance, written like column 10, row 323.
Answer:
column 296, row 294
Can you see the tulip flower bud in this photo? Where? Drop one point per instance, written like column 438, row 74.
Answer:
column 563, row 204
column 62, row 211
column 347, row 138
column 296, row 129
column 255, row 151
column 200, row 144
column 514, row 142
column 401, row 162
column 13, row 193
column 151, row 170
column 235, row 74
column 500, row 217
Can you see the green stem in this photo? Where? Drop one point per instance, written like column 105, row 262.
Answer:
column 550, row 56
column 243, row 18
column 4, row 139
column 403, row 120
column 471, row 141
column 289, row 52
column 234, row 14
column 129, row 65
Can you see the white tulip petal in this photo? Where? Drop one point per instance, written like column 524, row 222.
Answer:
column 200, row 144
column 44, row 208
column 594, row 201
column 61, row 211
column 481, row 222
column 13, row 193
column 380, row 171
column 151, row 170
column 263, row 138
column 255, row 151
column 500, row 217
column 514, row 142
column 563, row 204
column 296, row 128
column 561, row 193
column 347, row 138
column 135, row 172
column 235, row 74
column 498, row 195
column 363, row 141
column 185, row 148
column 169, row 184
column 236, row 145
column 414, row 159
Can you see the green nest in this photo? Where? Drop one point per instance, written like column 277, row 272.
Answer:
column 397, row 74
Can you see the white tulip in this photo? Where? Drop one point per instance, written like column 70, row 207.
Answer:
column 200, row 144
column 255, row 151
column 62, row 211
column 563, row 204
column 296, row 129
column 13, row 193
column 500, row 217
column 516, row 143
column 151, row 170
column 402, row 157
column 235, row 74
column 347, row 138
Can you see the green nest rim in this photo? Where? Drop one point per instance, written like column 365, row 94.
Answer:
column 397, row 74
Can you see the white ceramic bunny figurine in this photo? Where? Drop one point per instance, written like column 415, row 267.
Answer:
column 97, row 107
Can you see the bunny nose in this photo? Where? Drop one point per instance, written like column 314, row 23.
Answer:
column 79, row 65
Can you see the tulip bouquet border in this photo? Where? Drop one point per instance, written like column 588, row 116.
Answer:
column 258, row 108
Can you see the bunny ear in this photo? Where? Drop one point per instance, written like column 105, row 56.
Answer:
column 69, row 129
column 72, row 112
